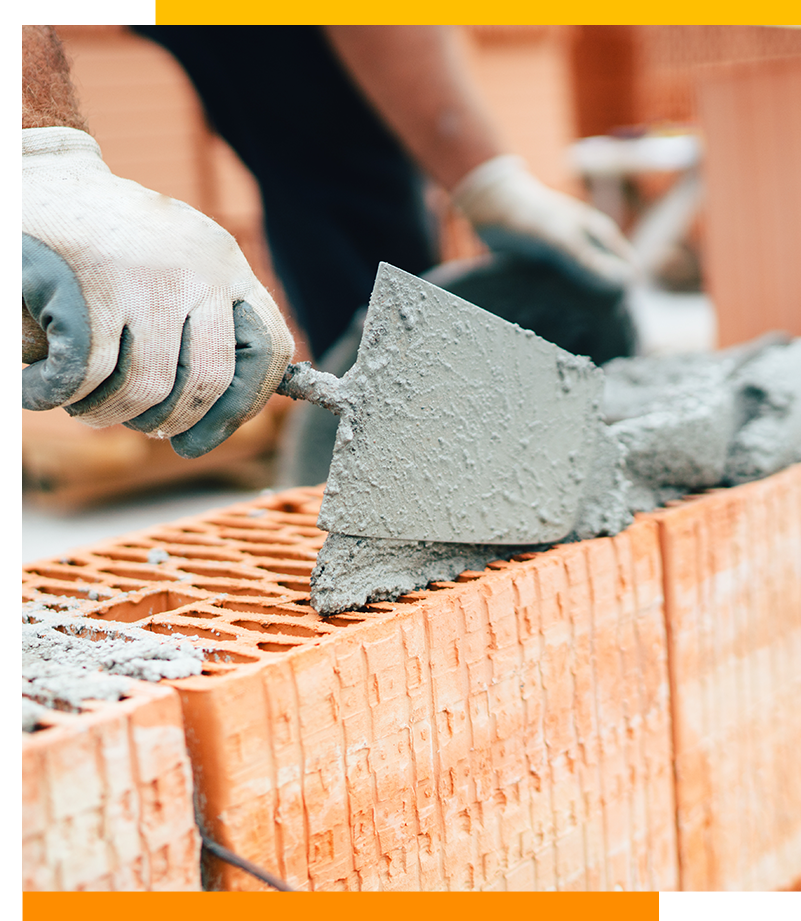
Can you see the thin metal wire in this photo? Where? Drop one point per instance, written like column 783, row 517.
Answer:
column 236, row 861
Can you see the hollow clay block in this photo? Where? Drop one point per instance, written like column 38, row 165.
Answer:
column 768, row 395
column 462, row 427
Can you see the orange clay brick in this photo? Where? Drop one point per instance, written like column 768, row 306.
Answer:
column 732, row 562
column 107, row 798
column 508, row 730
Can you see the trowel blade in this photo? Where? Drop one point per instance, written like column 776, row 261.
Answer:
column 465, row 428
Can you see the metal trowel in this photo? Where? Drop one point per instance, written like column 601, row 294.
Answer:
column 456, row 426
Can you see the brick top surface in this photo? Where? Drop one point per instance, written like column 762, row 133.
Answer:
column 233, row 580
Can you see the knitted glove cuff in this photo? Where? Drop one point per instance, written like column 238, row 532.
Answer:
column 58, row 141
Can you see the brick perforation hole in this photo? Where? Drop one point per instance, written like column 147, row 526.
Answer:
column 278, row 646
column 196, row 538
column 55, row 707
column 277, row 539
column 284, row 627
column 185, row 626
column 37, row 590
column 225, row 656
column 63, row 574
column 284, row 567
column 219, row 571
column 249, row 589
column 254, row 606
column 141, row 573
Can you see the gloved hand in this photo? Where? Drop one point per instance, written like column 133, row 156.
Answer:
column 152, row 314
column 512, row 211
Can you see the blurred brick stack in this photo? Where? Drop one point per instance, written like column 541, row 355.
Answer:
column 739, row 85
column 644, row 75
column 751, row 117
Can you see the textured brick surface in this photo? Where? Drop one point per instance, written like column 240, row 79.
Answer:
column 506, row 731
column 510, row 730
column 107, row 798
column 732, row 563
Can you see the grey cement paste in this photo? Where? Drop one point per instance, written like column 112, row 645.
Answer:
column 768, row 395
column 454, row 424
column 351, row 571
column 67, row 659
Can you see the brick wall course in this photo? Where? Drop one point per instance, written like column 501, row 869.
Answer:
column 506, row 730
column 752, row 141
column 107, row 798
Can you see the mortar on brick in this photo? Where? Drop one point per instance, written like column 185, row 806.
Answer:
column 768, row 395
column 68, row 659
column 677, row 448
column 690, row 422
column 351, row 571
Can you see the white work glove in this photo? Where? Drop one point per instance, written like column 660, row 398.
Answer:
column 512, row 211
column 152, row 314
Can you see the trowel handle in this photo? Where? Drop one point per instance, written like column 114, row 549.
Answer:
column 302, row 382
column 34, row 339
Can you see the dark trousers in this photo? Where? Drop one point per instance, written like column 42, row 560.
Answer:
column 339, row 193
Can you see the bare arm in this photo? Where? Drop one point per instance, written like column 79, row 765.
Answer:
column 48, row 96
column 415, row 79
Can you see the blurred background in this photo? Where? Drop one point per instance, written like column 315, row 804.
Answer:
column 689, row 136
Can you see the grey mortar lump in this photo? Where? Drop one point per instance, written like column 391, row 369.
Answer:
column 697, row 421
column 768, row 396
column 673, row 425
column 68, row 659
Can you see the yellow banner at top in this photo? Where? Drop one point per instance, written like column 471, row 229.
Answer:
column 255, row 12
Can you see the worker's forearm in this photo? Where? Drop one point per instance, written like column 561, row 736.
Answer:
column 414, row 78
column 48, row 96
